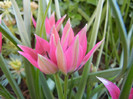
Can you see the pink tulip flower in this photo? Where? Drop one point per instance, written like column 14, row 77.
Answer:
column 50, row 22
column 113, row 89
column 0, row 35
column 66, row 54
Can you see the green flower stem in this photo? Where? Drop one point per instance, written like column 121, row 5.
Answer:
column 8, row 75
column 58, row 86
column 127, row 84
column 65, row 86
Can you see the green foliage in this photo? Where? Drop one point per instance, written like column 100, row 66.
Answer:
column 71, row 8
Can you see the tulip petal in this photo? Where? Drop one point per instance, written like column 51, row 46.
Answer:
column 46, row 65
column 33, row 20
column 65, row 35
column 42, row 46
column 112, row 88
column 90, row 53
column 83, row 39
column 32, row 60
column 47, row 26
column 52, row 49
column 72, row 55
column 59, row 22
column 29, row 51
column 52, row 19
column 56, row 35
column 131, row 94
column 61, row 60
column 71, row 37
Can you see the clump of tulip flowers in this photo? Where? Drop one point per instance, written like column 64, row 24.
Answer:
column 66, row 54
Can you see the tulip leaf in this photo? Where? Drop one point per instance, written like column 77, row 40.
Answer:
column 123, row 32
column 128, row 81
column 27, row 16
column 45, row 87
column 8, row 75
column 20, row 23
column 5, row 93
column 40, row 18
column 6, row 32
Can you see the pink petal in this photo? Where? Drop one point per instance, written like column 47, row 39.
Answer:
column 52, row 19
column 52, row 49
column 29, row 51
column 80, row 57
column 131, row 94
column 71, row 37
column 42, row 46
column 33, row 20
column 112, row 88
column 31, row 59
column 83, row 39
column 65, row 35
column 47, row 26
column 56, row 35
column 61, row 60
column 59, row 22
column 90, row 53
column 72, row 55
column 46, row 65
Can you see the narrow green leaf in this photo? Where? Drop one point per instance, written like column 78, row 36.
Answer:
column 20, row 23
column 83, row 14
column 92, row 76
column 126, row 88
column 123, row 32
column 104, row 34
column 130, row 35
column 27, row 17
column 94, row 2
column 6, row 32
column 5, row 93
column 30, row 72
column 57, row 8
column 8, row 75
column 42, row 29
column 41, row 11
column 45, row 87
